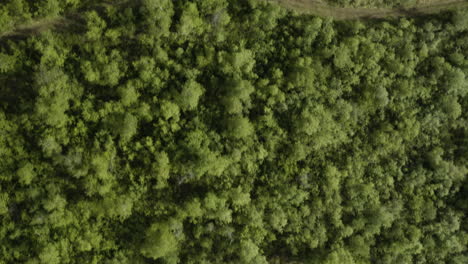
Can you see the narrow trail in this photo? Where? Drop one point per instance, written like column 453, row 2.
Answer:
column 36, row 26
column 314, row 7
column 319, row 8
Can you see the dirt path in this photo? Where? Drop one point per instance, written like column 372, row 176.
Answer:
column 37, row 26
column 315, row 7
column 320, row 8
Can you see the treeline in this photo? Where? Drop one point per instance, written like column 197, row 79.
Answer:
column 216, row 131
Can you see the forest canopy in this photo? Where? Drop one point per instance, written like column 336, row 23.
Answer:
column 230, row 131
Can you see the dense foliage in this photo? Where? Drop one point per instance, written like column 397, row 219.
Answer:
column 218, row 131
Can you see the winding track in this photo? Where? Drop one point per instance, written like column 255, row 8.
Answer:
column 320, row 8
column 37, row 26
column 314, row 7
